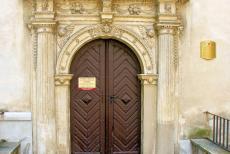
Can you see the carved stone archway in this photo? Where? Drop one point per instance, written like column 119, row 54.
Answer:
column 62, row 81
column 104, row 31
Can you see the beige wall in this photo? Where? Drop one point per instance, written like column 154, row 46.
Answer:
column 14, row 57
column 204, row 85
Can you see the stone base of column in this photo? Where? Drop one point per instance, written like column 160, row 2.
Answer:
column 165, row 138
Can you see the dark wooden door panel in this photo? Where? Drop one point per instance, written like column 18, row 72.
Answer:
column 87, row 107
column 101, row 123
column 125, row 110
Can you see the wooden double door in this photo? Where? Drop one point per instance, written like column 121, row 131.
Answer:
column 106, row 119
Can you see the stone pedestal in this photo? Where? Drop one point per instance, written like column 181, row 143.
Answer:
column 149, row 92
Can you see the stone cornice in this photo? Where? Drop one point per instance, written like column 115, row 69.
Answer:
column 63, row 79
column 148, row 79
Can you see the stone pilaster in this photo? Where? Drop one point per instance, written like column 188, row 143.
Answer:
column 62, row 95
column 166, row 92
column 45, row 103
column 149, row 93
column 168, row 25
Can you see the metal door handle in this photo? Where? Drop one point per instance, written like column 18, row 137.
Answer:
column 111, row 98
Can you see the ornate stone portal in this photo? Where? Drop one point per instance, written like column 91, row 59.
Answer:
column 60, row 28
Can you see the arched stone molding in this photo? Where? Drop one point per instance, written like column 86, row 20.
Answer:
column 62, row 80
column 90, row 33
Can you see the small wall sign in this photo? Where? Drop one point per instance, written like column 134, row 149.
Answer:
column 87, row 83
column 208, row 50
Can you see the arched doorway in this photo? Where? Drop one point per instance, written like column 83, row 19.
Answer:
column 107, row 118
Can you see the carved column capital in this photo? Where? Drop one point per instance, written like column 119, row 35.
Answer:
column 168, row 28
column 148, row 79
column 44, row 26
column 63, row 79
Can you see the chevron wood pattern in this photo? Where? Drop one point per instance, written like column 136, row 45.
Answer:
column 127, row 107
column 87, row 107
column 98, row 124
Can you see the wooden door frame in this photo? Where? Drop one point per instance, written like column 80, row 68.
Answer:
column 148, row 89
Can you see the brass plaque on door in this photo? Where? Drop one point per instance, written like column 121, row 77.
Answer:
column 87, row 83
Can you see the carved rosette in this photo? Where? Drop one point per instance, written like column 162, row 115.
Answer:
column 63, row 79
column 148, row 79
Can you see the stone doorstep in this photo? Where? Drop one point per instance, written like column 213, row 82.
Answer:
column 209, row 147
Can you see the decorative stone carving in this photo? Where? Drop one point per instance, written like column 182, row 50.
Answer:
column 66, row 7
column 63, row 79
column 148, row 34
column 34, row 44
column 64, row 33
column 77, row 8
column 45, row 5
column 134, row 9
column 151, row 33
column 104, row 31
column 106, row 18
column 106, row 5
column 106, row 28
column 148, row 78
column 168, row 8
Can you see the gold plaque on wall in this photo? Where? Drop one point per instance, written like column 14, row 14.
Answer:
column 208, row 50
column 87, row 83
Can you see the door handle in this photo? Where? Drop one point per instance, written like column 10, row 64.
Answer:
column 112, row 98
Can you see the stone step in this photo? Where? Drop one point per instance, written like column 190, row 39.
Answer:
column 207, row 147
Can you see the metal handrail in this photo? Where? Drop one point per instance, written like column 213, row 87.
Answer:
column 220, row 130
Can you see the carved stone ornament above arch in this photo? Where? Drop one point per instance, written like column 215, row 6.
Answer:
column 87, row 34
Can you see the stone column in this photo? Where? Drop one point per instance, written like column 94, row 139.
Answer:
column 166, row 133
column 62, row 96
column 45, row 104
column 149, row 93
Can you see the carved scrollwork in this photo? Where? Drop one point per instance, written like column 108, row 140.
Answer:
column 64, row 33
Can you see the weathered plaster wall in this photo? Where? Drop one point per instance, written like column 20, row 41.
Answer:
column 205, row 85
column 14, row 56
